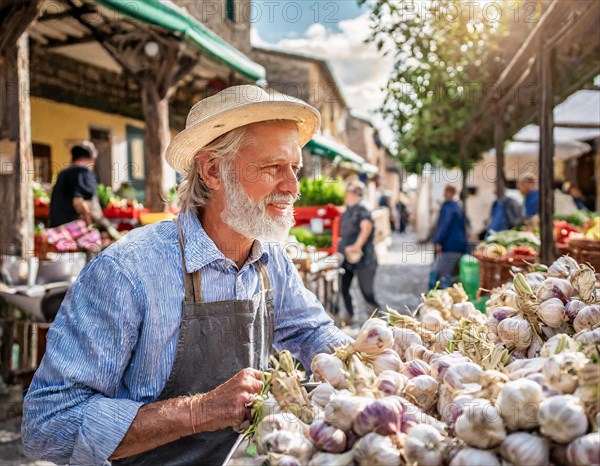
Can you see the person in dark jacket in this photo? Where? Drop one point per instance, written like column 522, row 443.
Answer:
column 357, row 244
column 450, row 239
column 506, row 214
column 528, row 186
column 75, row 185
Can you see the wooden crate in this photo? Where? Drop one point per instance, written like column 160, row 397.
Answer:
column 585, row 251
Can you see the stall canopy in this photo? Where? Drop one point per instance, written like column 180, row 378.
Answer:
column 563, row 150
column 324, row 147
column 171, row 17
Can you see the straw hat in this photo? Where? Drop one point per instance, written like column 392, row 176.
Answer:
column 234, row 107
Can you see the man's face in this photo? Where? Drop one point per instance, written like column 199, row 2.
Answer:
column 261, row 191
column 448, row 194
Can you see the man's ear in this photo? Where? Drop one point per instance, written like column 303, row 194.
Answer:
column 208, row 168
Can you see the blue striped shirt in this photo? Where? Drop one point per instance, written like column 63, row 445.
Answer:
column 113, row 343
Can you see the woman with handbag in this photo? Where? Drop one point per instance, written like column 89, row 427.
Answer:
column 358, row 248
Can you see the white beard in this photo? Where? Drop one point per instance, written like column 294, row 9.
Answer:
column 251, row 220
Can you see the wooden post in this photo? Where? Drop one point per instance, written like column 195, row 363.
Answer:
column 156, row 140
column 546, row 65
column 16, row 174
column 499, row 145
column 465, row 173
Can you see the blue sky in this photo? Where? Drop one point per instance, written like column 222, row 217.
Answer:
column 278, row 20
column 332, row 30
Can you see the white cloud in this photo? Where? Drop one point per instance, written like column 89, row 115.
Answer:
column 361, row 70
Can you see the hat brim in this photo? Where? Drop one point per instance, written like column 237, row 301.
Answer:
column 185, row 145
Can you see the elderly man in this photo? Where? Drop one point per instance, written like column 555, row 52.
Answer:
column 157, row 349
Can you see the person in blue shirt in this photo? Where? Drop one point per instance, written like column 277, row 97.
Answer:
column 159, row 346
column 507, row 213
column 450, row 239
column 528, row 186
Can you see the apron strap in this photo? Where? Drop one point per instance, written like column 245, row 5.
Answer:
column 187, row 278
column 265, row 283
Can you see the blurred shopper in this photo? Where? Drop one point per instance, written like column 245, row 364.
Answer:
column 578, row 197
column 358, row 247
column 450, row 240
column 528, row 186
column 75, row 185
column 506, row 214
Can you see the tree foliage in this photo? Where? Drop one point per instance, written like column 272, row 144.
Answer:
column 447, row 55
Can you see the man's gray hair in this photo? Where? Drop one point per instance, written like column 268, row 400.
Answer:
column 193, row 193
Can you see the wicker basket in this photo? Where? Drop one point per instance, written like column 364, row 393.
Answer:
column 585, row 251
column 496, row 272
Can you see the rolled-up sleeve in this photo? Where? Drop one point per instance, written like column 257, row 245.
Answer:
column 301, row 324
column 76, row 410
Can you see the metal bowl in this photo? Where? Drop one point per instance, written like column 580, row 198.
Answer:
column 17, row 271
column 62, row 267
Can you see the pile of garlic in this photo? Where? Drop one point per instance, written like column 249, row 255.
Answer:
column 460, row 388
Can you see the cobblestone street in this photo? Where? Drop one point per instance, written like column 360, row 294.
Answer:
column 401, row 277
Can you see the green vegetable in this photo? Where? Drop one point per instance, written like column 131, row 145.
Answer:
column 308, row 238
column 321, row 191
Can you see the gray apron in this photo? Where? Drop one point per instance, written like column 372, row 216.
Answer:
column 216, row 341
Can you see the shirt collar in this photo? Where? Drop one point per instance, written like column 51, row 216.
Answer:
column 200, row 250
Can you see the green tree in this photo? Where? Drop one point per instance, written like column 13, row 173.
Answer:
column 447, row 55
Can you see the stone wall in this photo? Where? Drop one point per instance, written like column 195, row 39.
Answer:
column 213, row 14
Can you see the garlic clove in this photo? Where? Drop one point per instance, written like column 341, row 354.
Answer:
column 552, row 312
column 322, row 394
column 415, row 368
column 327, row 438
column 474, row 457
column 388, row 360
column 525, row 449
column 562, row 418
column 342, row 410
column 390, row 383
column 403, row 338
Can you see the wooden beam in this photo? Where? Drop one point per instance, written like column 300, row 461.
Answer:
column 546, row 61
column 499, row 145
column 83, row 9
column 71, row 40
column 578, row 125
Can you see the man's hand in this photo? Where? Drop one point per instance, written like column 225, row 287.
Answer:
column 225, row 406
column 353, row 249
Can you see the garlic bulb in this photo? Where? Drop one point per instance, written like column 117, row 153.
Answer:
column 443, row 339
column 422, row 390
column 419, row 352
column 480, row 424
column 519, row 402
column 462, row 310
column 440, row 364
column 524, row 449
column 424, row 446
column 460, row 374
column 573, row 307
column 433, row 321
column 276, row 459
column 322, row 394
column 562, row 418
column 557, row 344
column 584, row 281
column 555, row 288
column 344, row 409
column 584, row 450
column 560, row 371
column 515, row 332
column 525, row 367
column 374, row 337
column 474, row 457
column 589, row 337
column 587, row 318
column 534, row 279
column 552, row 312
column 388, row 360
column 277, row 422
column 415, row 368
column 376, row 450
column 287, row 443
column 403, row 338
column 331, row 459
column 563, row 267
column 384, row 416
column 390, row 383
column 328, row 368
column 327, row 437
column 453, row 405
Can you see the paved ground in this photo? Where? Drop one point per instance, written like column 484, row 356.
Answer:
column 401, row 277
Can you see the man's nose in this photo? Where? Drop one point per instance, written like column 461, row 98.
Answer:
column 289, row 183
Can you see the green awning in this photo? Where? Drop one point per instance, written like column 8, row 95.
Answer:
column 324, row 147
column 169, row 16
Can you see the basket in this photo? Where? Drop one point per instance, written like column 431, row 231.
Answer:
column 585, row 251
column 496, row 272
